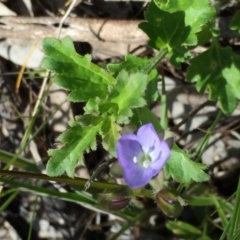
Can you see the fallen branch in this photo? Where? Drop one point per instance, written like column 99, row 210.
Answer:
column 79, row 29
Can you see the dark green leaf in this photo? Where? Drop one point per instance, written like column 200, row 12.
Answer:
column 235, row 23
column 174, row 25
column 217, row 71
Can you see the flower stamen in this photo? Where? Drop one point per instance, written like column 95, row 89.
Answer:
column 135, row 159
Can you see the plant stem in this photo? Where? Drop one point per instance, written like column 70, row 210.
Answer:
column 154, row 61
column 203, row 144
column 97, row 172
column 164, row 117
column 235, row 219
column 140, row 192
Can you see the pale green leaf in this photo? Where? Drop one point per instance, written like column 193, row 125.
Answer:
column 110, row 133
column 185, row 230
column 133, row 64
column 128, row 92
column 75, row 72
column 182, row 169
column 77, row 140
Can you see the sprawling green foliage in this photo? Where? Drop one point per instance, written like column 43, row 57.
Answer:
column 118, row 99
column 174, row 25
column 122, row 93
column 217, row 71
column 109, row 100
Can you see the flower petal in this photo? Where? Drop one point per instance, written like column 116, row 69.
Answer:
column 128, row 147
column 137, row 176
column 160, row 161
column 148, row 137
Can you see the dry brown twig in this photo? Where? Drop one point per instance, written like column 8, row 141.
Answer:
column 79, row 29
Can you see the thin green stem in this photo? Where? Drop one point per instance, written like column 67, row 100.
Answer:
column 28, row 130
column 221, row 213
column 20, row 162
column 203, row 144
column 76, row 181
column 235, row 219
column 164, row 117
column 97, row 172
column 154, row 61
column 226, row 229
column 9, row 200
column 32, row 220
column 6, row 192
column 68, row 196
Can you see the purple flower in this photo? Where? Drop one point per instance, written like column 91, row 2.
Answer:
column 142, row 156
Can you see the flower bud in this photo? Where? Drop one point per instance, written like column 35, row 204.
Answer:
column 115, row 199
column 168, row 203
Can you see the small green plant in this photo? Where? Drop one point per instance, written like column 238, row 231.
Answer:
column 117, row 95
column 120, row 95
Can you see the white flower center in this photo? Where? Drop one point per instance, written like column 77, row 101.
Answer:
column 146, row 158
column 146, row 163
column 145, row 150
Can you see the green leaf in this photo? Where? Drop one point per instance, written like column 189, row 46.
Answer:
column 185, row 229
column 196, row 14
column 128, row 93
column 182, row 169
column 75, row 72
column 110, row 134
column 77, row 140
column 174, row 24
column 89, row 120
column 151, row 93
column 164, row 28
column 179, row 55
column 134, row 64
column 235, row 23
column 131, row 64
column 206, row 33
column 92, row 106
column 110, row 130
column 217, row 71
